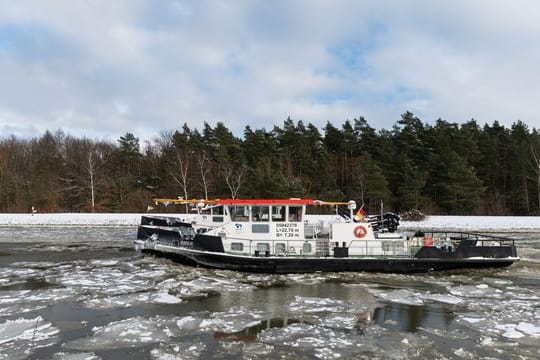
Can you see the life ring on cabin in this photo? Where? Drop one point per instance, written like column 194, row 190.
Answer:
column 292, row 249
column 428, row 240
column 360, row 231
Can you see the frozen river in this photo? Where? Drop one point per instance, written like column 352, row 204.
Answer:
column 83, row 293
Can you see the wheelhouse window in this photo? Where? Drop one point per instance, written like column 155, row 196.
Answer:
column 235, row 246
column 217, row 210
column 217, row 213
column 278, row 213
column 239, row 213
column 260, row 213
column 295, row 213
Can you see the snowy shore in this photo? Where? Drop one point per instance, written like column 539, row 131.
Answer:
column 465, row 223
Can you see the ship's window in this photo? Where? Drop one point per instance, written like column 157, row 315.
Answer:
column 239, row 213
column 218, row 210
column 280, row 248
column 295, row 213
column 278, row 213
column 263, row 247
column 260, row 228
column 306, row 248
column 260, row 213
column 237, row 247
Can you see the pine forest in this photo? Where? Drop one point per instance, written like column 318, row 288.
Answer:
column 440, row 168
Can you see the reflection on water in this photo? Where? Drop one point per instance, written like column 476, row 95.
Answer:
column 83, row 292
column 412, row 317
column 250, row 333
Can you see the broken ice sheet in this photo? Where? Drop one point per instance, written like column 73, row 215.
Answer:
column 401, row 296
column 132, row 332
column 235, row 320
column 161, row 297
column 23, row 301
column 205, row 285
column 179, row 350
column 303, row 304
column 75, row 356
column 18, row 337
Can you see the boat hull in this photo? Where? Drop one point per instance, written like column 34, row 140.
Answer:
column 285, row 265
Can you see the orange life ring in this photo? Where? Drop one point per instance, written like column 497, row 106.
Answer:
column 428, row 241
column 360, row 231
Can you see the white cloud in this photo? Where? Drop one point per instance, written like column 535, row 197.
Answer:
column 104, row 68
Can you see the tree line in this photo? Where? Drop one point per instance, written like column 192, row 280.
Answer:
column 444, row 168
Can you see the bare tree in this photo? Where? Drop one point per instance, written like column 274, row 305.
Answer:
column 181, row 177
column 536, row 168
column 91, row 169
column 203, row 161
column 83, row 172
column 234, row 178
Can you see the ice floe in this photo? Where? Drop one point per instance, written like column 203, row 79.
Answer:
column 19, row 337
column 132, row 332
column 302, row 304
column 75, row 356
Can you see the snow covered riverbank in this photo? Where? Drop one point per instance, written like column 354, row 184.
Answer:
column 465, row 223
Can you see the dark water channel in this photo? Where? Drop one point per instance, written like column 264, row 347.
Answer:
column 83, row 293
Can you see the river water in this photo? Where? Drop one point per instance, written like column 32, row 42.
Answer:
column 84, row 293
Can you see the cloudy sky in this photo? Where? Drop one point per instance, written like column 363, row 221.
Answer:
column 101, row 68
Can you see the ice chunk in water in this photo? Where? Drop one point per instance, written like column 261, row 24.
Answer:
column 446, row 299
column 75, row 356
column 27, row 329
column 124, row 333
column 520, row 330
column 22, row 335
column 510, row 331
column 308, row 305
column 175, row 350
column 188, row 323
column 165, row 298
column 235, row 320
column 478, row 291
column 401, row 296
column 206, row 285
column 339, row 321
column 529, row 329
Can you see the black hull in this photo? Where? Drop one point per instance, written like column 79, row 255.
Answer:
column 285, row 265
column 175, row 236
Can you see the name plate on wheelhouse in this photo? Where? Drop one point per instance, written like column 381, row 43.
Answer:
column 287, row 230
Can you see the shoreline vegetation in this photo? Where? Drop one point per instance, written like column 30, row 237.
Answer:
column 442, row 167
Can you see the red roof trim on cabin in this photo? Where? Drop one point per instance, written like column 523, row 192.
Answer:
column 267, row 202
